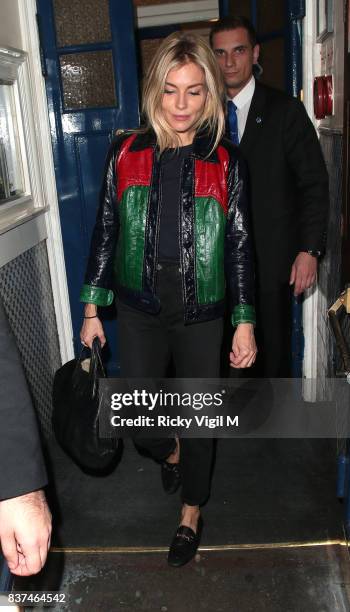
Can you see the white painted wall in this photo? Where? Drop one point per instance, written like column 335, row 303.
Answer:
column 176, row 12
column 311, row 68
column 320, row 59
column 18, row 29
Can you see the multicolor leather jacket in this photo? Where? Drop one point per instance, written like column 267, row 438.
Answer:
column 215, row 246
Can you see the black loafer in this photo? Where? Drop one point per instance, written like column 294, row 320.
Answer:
column 171, row 477
column 184, row 545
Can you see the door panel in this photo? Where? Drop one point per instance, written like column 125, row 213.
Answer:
column 92, row 90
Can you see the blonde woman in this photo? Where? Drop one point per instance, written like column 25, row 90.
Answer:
column 172, row 228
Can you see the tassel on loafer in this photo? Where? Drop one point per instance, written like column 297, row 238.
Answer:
column 184, row 545
column 171, row 477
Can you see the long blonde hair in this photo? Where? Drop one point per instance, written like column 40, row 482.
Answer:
column 176, row 50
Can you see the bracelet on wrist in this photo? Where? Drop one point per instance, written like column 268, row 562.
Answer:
column 92, row 317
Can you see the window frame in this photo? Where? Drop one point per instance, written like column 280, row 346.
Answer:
column 14, row 69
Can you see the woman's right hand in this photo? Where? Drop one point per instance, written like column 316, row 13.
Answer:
column 92, row 328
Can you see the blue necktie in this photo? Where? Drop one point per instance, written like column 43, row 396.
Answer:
column 232, row 122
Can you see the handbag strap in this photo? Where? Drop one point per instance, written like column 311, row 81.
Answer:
column 96, row 356
column 96, row 364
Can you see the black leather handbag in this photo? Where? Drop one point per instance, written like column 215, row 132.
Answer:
column 76, row 410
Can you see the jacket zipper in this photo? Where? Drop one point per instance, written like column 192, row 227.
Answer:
column 159, row 212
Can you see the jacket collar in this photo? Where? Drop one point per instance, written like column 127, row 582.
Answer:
column 202, row 145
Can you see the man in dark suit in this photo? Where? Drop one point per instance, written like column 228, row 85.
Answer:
column 25, row 520
column 289, row 188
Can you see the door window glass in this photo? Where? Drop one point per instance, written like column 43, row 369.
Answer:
column 79, row 23
column 88, row 80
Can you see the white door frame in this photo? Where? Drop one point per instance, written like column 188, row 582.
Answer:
column 310, row 305
column 40, row 115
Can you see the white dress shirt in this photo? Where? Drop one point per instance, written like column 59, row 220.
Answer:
column 243, row 100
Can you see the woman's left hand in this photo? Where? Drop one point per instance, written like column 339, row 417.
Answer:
column 243, row 346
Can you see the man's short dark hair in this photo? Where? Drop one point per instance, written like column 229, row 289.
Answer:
column 232, row 23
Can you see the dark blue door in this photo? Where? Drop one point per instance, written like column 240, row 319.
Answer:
column 89, row 61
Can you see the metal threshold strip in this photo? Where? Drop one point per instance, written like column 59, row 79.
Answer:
column 219, row 547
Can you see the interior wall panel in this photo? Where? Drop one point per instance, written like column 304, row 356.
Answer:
column 25, row 290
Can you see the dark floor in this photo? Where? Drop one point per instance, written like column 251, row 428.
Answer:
column 264, row 492
column 313, row 579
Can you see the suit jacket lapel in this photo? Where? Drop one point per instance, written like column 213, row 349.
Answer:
column 255, row 119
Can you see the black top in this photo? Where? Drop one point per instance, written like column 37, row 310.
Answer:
column 171, row 166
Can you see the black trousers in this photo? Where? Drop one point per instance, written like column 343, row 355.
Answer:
column 148, row 343
column 273, row 334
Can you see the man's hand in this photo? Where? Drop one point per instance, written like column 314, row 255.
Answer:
column 25, row 532
column 243, row 346
column 303, row 273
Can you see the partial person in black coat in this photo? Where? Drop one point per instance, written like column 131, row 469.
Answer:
column 25, row 519
column 289, row 189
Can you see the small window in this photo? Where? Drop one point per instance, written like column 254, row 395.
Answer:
column 12, row 183
column 20, row 165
